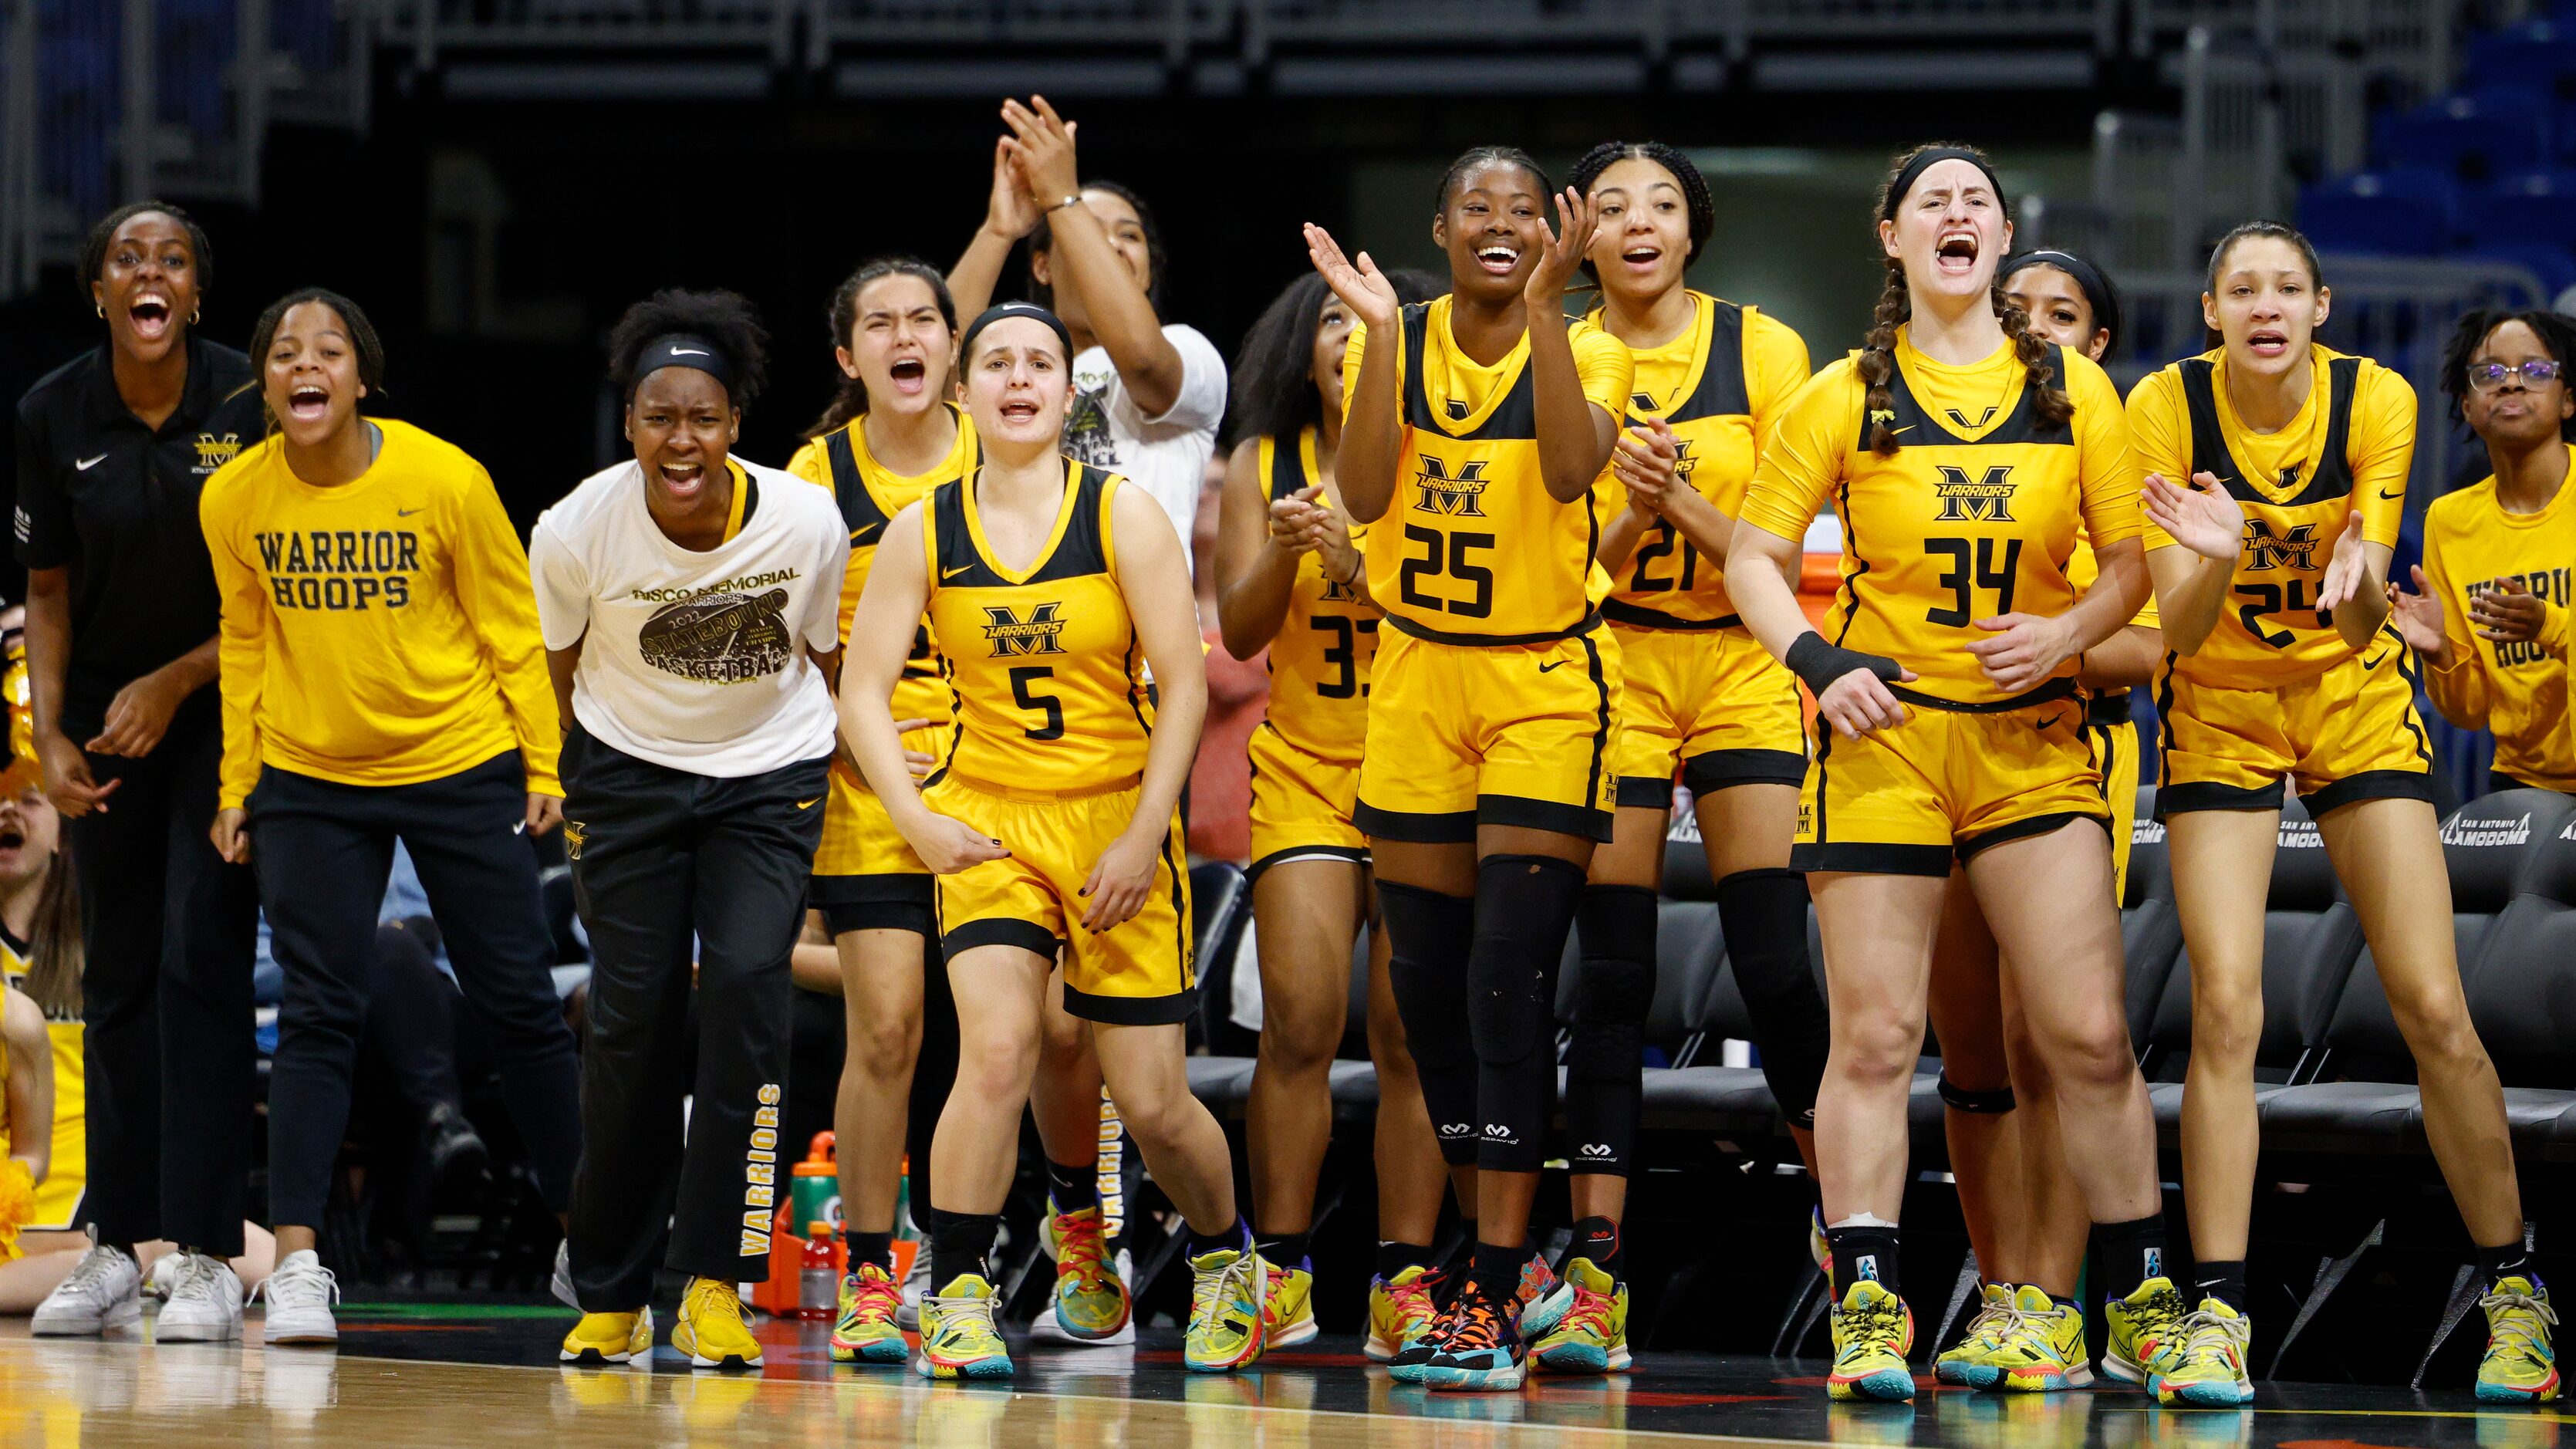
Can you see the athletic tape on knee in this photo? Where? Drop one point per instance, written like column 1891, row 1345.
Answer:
column 1429, row 937
column 1524, row 907
column 1764, row 916
column 1992, row 1104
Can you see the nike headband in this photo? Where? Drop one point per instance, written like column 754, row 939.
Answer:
column 1005, row 311
column 1925, row 161
column 682, row 349
column 2089, row 280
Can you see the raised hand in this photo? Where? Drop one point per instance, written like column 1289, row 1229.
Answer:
column 2421, row 620
column 1041, row 143
column 1010, row 212
column 2201, row 517
column 1576, row 219
column 1362, row 287
column 2345, row 569
column 1648, row 461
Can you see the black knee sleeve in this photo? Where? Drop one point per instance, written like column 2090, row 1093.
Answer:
column 1428, row 939
column 1764, row 916
column 1611, row 999
column 1524, row 906
column 1985, row 1104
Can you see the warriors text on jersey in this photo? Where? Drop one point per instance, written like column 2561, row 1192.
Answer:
column 2517, row 689
column 1472, row 549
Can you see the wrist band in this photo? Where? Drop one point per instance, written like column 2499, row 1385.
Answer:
column 1061, row 205
column 1818, row 664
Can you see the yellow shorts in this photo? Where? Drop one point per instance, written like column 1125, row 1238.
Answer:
column 2115, row 741
column 1512, row 734
column 1944, row 785
column 1301, row 805
column 865, row 874
column 2349, row 734
column 1136, row 973
column 1712, row 702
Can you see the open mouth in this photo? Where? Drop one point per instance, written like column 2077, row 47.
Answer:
column 1019, row 410
column 2267, row 342
column 11, row 839
column 150, row 315
column 308, row 403
column 683, row 479
column 1497, row 260
column 1957, row 251
column 1642, row 256
column 910, row 374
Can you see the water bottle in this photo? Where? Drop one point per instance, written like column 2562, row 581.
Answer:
column 818, row 1289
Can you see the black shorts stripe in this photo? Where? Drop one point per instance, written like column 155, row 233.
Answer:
column 1000, row 931
column 1414, row 828
column 1403, row 625
column 2048, row 693
column 893, row 888
column 919, row 917
column 1645, row 792
column 2372, row 785
column 2172, row 800
column 1294, row 853
column 1863, row 859
column 1131, row 1010
column 1969, row 847
column 1638, row 616
column 1180, row 915
column 1577, row 820
column 1714, row 770
column 1600, row 718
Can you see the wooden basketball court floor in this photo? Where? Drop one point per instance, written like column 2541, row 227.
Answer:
column 485, row 1375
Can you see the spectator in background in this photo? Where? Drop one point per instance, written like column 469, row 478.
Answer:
column 1220, row 798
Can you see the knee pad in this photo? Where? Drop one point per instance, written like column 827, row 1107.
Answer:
column 1985, row 1104
column 1764, row 916
column 1524, row 907
column 1428, row 938
column 1617, row 987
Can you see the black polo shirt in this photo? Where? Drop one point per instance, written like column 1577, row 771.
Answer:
column 116, row 503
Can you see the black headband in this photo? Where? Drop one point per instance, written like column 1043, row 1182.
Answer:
column 2088, row 279
column 1927, row 159
column 1005, row 311
column 683, row 349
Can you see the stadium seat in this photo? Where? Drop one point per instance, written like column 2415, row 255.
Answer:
column 2408, row 212
column 2523, row 997
column 2150, row 928
column 1220, row 908
column 2526, row 208
column 2554, row 268
column 2472, row 135
column 1701, row 1097
column 2538, row 54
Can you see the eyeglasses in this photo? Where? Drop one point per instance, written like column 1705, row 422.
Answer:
column 2488, row 376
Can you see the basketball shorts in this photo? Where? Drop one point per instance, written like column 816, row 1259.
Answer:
column 1301, row 805
column 2115, row 741
column 1712, row 702
column 2351, row 733
column 865, row 875
column 1945, row 785
column 1510, row 734
column 1136, row 973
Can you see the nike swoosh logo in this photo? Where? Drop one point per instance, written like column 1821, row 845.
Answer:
column 86, row 464
column 405, row 512
column 1551, row 664
column 691, row 352
column 952, row 573
column 2368, row 665
column 2384, row 493
column 2052, row 722
column 809, row 804
column 862, row 535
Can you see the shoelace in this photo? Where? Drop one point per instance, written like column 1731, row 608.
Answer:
column 317, row 1278
column 1479, row 1324
column 2207, row 1336
column 1988, row 1328
column 717, row 1300
column 1232, row 1284
column 1591, row 1312
column 2523, row 1334
column 90, row 1273
column 1078, row 1247
column 1412, row 1305
column 959, row 1317
column 195, row 1280
column 1877, row 1325
column 875, row 1290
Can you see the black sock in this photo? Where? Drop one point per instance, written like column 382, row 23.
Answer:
column 1232, row 1238
column 2509, row 1261
column 962, row 1243
column 1394, row 1258
column 1497, row 1271
column 1864, row 1253
column 1466, row 1253
column 1285, row 1250
column 2222, row 1281
column 2132, row 1253
column 877, row 1248
column 1072, row 1189
column 1598, row 1239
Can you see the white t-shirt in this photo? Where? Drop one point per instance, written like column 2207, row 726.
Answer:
column 1167, row 456
column 696, row 661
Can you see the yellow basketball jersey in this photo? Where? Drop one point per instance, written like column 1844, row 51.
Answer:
column 1046, row 679
column 59, row 1195
column 1319, row 663
column 1975, row 516
column 1716, row 385
column 1472, row 550
column 2348, row 450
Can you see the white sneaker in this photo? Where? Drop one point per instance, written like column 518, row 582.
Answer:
column 205, row 1302
column 158, row 1278
column 300, row 1294
column 104, row 1291
column 915, row 1283
column 561, row 1284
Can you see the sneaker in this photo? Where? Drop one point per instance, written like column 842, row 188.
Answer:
column 610, row 1338
column 1091, row 1302
column 2520, row 1367
column 1288, row 1305
column 104, row 1292
column 2146, row 1331
column 1229, row 1309
column 2209, row 1369
column 205, row 1302
column 1440, row 1288
column 915, row 1284
column 2041, row 1348
column 158, row 1278
column 1969, row 1363
column 711, row 1329
column 300, row 1292
column 1543, row 1297
column 560, row 1283
column 1400, row 1312
column 1484, row 1350
column 1819, row 1247
column 1592, row 1338
column 958, row 1339
column 865, row 1331
column 1873, row 1332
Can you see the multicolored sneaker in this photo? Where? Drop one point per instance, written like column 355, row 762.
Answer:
column 1819, row 1246
column 2209, row 1371
column 1969, row 1363
column 2146, row 1332
column 1873, row 1332
column 864, row 1331
column 2041, row 1347
column 711, row 1329
column 604, row 1338
column 1592, row 1338
column 1288, row 1304
column 1401, row 1313
column 1543, row 1297
column 2521, row 1366
column 958, row 1339
column 1484, row 1351
column 1091, row 1302
column 1229, row 1294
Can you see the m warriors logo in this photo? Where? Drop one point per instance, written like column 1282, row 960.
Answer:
column 2266, row 550
column 1458, row 497
column 214, row 452
column 1337, row 592
column 1683, row 462
column 720, row 638
column 1013, row 636
column 1969, row 500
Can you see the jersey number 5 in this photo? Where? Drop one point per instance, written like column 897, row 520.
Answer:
column 1987, row 575
column 1455, row 547
column 1044, row 704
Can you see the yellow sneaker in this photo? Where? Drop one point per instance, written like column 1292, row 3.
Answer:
column 1288, row 1306
column 610, row 1338
column 2146, row 1332
column 2042, row 1345
column 2521, row 1366
column 1228, row 1291
column 958, row 1339
column 864, row 1331
column 1400, row 1311
column 1873, row 1332
column 1592, row 1338
column 1968, row 1363
column 711, row 1330
column 1091, row 1301
column 2209, row 1371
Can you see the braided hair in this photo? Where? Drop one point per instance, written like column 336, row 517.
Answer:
column 852, row 399
column 1877, row 362
column 1696, row 203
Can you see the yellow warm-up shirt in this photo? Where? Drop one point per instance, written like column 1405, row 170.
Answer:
column 58, row 1196
column 1976, row 515
column 2518, row 690
column 1718, row 386
column 383, row 632
column 1472, row 549
column 2347, row 451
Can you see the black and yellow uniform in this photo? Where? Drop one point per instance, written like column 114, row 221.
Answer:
column 1306, row 750
column 1494, row 702
column 2275, row 691
column 865, row 875
column 1976, row 515
column 1697, row 690
column 1046, row 752
column 2518, row 690
column 2114, row 735
column 58, row 1197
